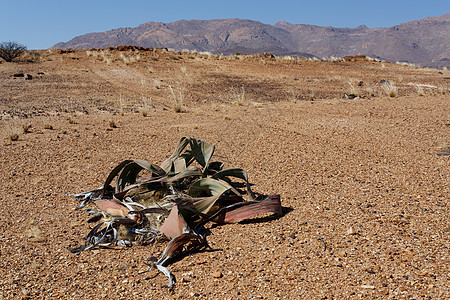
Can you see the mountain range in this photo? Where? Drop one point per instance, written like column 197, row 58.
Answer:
column 424, row 42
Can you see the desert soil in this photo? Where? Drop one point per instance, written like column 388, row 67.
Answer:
column 364, row 192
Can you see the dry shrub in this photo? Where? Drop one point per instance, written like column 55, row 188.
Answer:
column 177, row 99
column 238, row 95
column 35, row 234
column 390, row 89
column 112, row 123
column 13, row 131
column 26, row 127
column 420, row 90
column 146, row 105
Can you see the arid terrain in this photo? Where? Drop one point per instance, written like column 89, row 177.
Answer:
column 364, row 191
column 425, row 42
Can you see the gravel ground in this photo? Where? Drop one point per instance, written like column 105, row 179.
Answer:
column 364, row 192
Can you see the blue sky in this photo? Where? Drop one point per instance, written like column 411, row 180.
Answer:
column 40, row 24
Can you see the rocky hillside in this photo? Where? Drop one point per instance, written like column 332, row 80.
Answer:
column 425, row 41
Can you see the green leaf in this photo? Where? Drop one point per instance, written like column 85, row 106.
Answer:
column 154, row 169
column 209, row 190
column 238, row 173
column 168, row 163
column 189, row 172
column 130, row 171
column 202, row 151
column 204, row 205
column 179, row 160
column 114, row 173
column 208, row 187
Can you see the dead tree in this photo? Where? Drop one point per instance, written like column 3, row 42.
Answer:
column 10, row 50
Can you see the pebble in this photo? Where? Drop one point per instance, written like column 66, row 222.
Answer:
column 368, row 287
column 351, row 231
column 217, row 274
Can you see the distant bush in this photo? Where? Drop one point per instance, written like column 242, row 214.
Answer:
column 390, row 89
column 10, row 50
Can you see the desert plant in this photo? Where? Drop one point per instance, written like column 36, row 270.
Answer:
column 177, row 99
column 146, row 105
column 13, row 137
column 10, row 50
column 292, row 94
column 112, row 123
column 26, row 127
column 12, row 131
column 31, row 56
column 176, row 199
column 420, row 90
column 390, row 88
column 157, row 83
column 238, row 95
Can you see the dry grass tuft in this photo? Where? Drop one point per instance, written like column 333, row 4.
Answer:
column 157, row 83
column 112, row 123
column 13, row 131
column 146, row 105
column 35, row 234
column 238, row 95
column 390, row 89
column 177, row 99
column 420, row 90
column 26, row 127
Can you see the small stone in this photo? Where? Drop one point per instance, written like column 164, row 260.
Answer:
column 184, row 279
column 217, row 274
column 371, row 287
column 351, row 231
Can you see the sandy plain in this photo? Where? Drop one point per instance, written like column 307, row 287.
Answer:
column 364, row 191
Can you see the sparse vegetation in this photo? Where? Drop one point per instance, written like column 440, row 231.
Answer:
column 157, row 83
column 146, row 105
column 121, row 105
column 294, row 145
column 390, row 89
column 10, row 50
column 12, row 130
column 26, row 127
column 177, row 99
column 292, row 94
column 112, row 123
column 13, row 137
column 238, row 95
column 181, row 195
column 420, row 90
column 31, row 56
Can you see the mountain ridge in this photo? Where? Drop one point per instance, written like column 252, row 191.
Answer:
column 422, row 41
